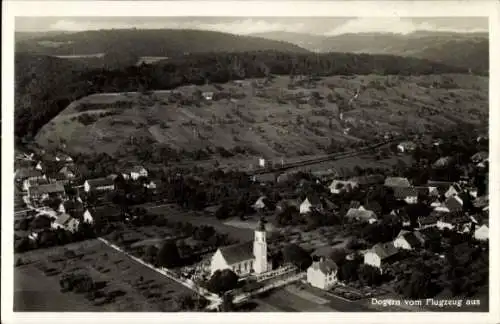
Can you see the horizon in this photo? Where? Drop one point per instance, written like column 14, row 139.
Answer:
column 318, row 26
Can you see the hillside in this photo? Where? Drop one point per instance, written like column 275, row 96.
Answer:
column 270, row 117
column 464, row 50
column 46, row 85
column 165, row 42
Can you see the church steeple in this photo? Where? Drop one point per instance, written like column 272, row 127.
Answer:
column 260, row 247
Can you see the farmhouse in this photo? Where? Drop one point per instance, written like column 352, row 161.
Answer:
column 452, row 191
column 442, row 162
column 311, row 202
column 408, row 194
column 480, row 157
column 27, row 183
column 138, row 171
column 45, row 191
column 407, row 240
column 246, row 257
column 380, row 254
column 322, row 274
column 361, row 214
column 368, row 180
column 22, row 174
column 99, row 184
column 397, row 182
column 340, row 186
column 261, row 203
column 208, row 95
column 68, row 172
column 65, row 221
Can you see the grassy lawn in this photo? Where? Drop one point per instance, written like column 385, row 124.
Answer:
column 35, row 291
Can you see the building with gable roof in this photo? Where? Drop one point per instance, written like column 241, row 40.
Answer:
column 322, row 274
column 66, row 222
column 380, row 254
column 99, row 184
column 244, row 258
column 397, row 182
column 407, row 240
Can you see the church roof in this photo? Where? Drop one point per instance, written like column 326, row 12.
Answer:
column 238, row 252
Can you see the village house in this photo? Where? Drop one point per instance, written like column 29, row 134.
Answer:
column 264, row 178
column 244, row 258
column 45, row 191
column 68, row 171
column 454, row 204
column 427, row 221
column 22, row 174
column 208, row 95
column 150, row 185
column 311, row 202
column 361, row 214
column 442, row 162
column 63, row 157
column 66, row 222
column 397, row 182
column 452, row 191
column 407, row 146
column 138, row 171
column 322, row 274
column 408, row 194
column 341, row 186
column 27, row 183
column 368, row 180
column 482, row 233
column 407, row 240
column 479, row 157
column 380, row 254
column 261, row 203
column 39, row 166
column 99, row 184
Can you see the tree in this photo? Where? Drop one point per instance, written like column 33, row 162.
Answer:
column 168, row 254
column 296, row 255
column 222, row 281
column 369, row 275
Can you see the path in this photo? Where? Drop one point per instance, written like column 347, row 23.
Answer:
column 214, row 299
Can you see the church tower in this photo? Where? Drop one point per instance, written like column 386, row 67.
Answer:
column 260, row 248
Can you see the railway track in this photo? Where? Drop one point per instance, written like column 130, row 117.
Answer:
column 329, row 157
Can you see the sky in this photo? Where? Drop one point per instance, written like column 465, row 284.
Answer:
column 248, row 25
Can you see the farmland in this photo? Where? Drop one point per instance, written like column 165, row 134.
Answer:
column 134, row 287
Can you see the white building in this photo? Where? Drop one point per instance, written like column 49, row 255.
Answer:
column 311, row 202
column 66, row 222
column 482, row 233
column 138, row 171
column 407, row 240
column 322, row 274
column 244, row 258
column 99, row 184
column 87, row 217
column 262, row 162
column 379, row 254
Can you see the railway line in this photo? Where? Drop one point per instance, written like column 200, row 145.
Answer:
column 329, row 157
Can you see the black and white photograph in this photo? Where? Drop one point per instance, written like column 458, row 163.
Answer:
column 249, row 164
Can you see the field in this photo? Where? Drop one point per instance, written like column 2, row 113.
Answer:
column 135, row 287
column 270, row 120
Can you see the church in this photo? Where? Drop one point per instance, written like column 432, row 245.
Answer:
column 244, row 258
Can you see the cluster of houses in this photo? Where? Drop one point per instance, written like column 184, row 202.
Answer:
column 446, row 212
column 39, row 186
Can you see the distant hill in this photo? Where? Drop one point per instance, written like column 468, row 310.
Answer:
column 149, row 42
column 459, row 49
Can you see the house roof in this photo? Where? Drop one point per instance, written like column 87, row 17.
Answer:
column 238, row 252
column 412, row 239
column 408, row 144
column 431, row 219
column 368, row 179
column 480, row 156
column 430, row 233
column 439, row 184
column 341, row 184
column 384, row 250
column 313, row 199
column 137, row 168
column 63, row 219
column 403, row 192
column 37, row 182
column 397, row 182
column 454, row 203
column 100, row 182
column 28, row 173
column 443, row 161
column 326, row 266
column 47, row 189
column 360, row 214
